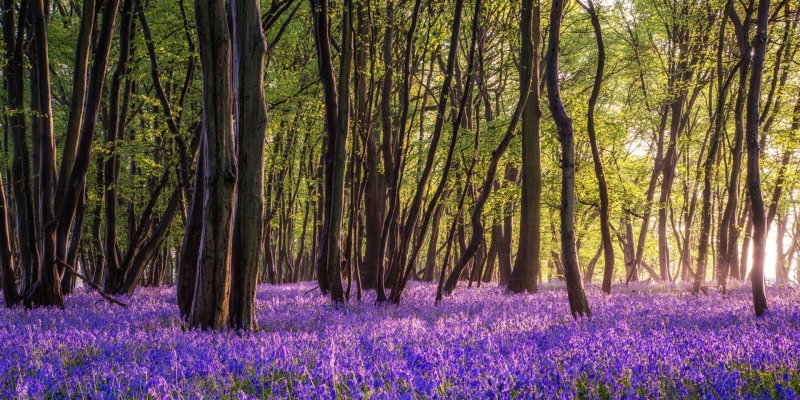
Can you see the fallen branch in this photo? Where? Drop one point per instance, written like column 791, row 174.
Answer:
column 91, row 284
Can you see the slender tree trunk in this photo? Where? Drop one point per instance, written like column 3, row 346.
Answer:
column 728, row 230
column 651, row 188
column 78, row 94
column 709, row 167
column 605, row 229
column 389, row 227
column 669, row 164
column 753, row 153
column 457, row 123
column 433, row 244
column 569, row 253
column 190, row 245
column 505, row 244
column 71, row 187
column 328, row 263
column 114, row 131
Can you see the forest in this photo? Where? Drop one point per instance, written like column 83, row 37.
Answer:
column 400, row 199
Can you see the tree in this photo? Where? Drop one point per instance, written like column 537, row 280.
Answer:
column 757, row 211
column 605, row 230
column 569, row 255
column 250, row 114
column 336, row 125
column 525, row 274
column 210, row 304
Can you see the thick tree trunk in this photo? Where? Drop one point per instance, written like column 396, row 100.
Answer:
column 569, row 254
column 374, row 189
column 25, row 219
column 250, row 130
column 47, row 289
column 212, row 286
column 527, row 265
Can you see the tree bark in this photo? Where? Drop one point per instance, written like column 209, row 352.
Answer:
column 605, row 229
column 327, row 263
column 710, row 165
column 47, row 289
column 753, row 154
column 114, row 131
column 569, row 254
column 727, row 248
column 524, row 276
column 25, row 220
column 250, row 130
column 210, row 304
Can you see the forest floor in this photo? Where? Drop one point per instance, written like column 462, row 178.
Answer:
column 639, row 343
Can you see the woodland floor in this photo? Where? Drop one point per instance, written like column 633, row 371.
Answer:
column 642, row 342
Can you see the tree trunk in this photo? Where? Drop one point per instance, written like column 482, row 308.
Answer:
column 71, row 187
column 728, row 230
column 250, row 130
column 710, row 165
column 328, row 274
column 389, row 227
column 605, row 229
column 25, row 220
column 213, row 281
column 753, row 154
column 375, row 192
column 7, row 269
column 527, row 265
column 114, row 131
column 569, row 254
column 190, row 245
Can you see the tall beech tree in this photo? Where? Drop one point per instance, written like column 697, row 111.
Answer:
column 527, row 265
column 250, row 116
column 602, row 186
column 757, row 212
column 569, row 256
column 213, row 282
column 336, row 124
